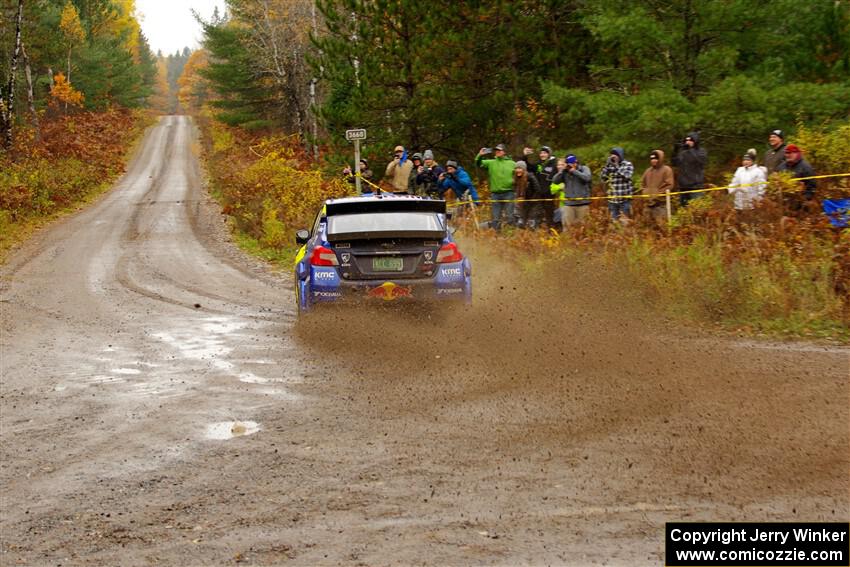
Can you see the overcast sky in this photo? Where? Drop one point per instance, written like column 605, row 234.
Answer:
column 169, row 25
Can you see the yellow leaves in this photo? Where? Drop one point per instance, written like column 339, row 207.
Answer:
column 161, row 90
column 125, row 21
column 71, row 26
column 63, row 92
column 193, row 90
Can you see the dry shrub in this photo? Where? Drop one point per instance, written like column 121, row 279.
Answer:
column 827, row 150
column 777, row 270
column 75, row 156
column 267, row 183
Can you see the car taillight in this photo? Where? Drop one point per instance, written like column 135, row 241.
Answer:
column 323, row 257
column 449, row 253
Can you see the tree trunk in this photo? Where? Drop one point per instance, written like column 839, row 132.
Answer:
column 314, row 124
column 30, row 100
column 9, row 103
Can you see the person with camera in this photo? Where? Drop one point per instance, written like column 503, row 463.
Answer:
column 617, row 177
column 412, row 187
column 656, row 181
column 690, row 159
column 456, row 179
column 544, row 169
column 398, row 170
column 573, row 180
column 428, row 174
column 365, row 175
column 526, row 186
column 500, row 173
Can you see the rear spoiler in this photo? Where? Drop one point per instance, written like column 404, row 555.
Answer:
column 385, row 205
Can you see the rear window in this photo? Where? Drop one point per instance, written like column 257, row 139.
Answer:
column 386, row 225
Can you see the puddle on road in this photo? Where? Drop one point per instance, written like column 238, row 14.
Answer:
column 230, row 429
column 100, row 379
column 249, row 378
column 126, row 371
column 212, row 345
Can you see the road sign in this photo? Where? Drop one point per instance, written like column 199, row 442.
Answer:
column 356, row 136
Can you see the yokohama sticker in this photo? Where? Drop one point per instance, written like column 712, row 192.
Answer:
column 327, row 294
column 449, row 291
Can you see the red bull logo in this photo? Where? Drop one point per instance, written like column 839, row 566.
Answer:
column 388, row 291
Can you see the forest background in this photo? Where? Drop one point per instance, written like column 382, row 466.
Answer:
column 277, row 82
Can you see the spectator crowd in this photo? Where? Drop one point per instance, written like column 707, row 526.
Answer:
column 542, row 190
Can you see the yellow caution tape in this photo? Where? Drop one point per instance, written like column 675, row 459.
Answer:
column 363, row 179
column 655, row 195
column 636, row 195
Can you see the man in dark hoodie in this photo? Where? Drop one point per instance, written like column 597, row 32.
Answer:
column 690, row 159
column 428, row 175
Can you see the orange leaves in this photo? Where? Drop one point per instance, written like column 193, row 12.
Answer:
column 62, row 92
column 77, row 155
column 534, row 115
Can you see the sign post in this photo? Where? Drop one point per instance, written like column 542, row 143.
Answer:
column 356, row 136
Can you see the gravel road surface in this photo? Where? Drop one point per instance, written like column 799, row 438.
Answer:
column 159, row 405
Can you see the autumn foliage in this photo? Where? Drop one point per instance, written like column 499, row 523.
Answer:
column 62, row 94
column 266, row 183
column 77, row 155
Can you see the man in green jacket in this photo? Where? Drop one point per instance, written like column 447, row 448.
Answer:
column 500, row 173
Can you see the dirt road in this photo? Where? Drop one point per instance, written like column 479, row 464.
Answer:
column 548, row 424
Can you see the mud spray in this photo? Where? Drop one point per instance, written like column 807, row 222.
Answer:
column 567, row 359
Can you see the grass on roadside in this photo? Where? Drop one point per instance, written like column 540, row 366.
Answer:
column 281, row 258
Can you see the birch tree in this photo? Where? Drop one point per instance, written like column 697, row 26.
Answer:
column 72, row 31
column 7, row 100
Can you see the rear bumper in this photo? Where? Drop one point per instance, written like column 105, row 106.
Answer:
column 451, row 282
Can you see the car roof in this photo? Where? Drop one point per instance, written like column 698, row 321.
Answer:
column 378, row 197
column 386, row 202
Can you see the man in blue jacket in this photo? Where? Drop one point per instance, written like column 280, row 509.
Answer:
column 457, row 179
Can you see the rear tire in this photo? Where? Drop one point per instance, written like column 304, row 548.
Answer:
column 299, row 310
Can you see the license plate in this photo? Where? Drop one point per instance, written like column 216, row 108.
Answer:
column 387, row 264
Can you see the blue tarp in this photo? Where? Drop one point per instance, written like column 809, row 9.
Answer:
column 838, row 211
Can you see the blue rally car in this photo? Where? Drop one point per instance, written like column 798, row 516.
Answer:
column 380, row 248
